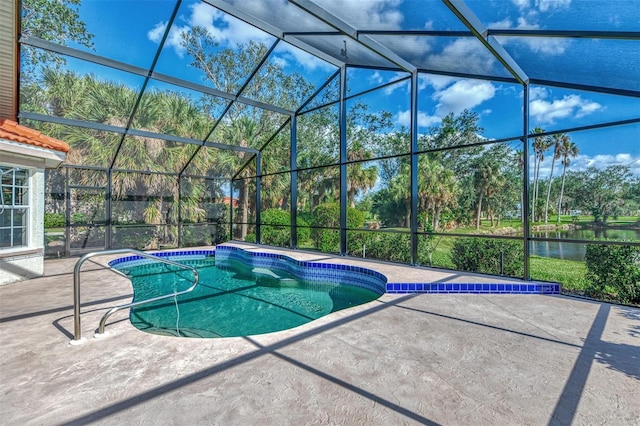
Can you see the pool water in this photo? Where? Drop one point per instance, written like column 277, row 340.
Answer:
column 234, row 300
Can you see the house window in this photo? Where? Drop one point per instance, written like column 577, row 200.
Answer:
column 14, row 210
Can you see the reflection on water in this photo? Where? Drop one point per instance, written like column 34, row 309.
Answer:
column 558, row 250
column 576, row 251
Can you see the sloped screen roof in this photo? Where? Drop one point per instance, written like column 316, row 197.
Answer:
column 580, row 42
column 261, row 61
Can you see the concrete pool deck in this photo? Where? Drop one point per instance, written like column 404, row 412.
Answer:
column 460, row 359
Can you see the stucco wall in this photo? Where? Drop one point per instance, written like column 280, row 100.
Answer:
column 22, row 263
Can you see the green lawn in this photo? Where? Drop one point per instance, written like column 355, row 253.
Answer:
column 570, row 273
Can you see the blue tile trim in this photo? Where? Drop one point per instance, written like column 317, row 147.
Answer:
column 474, row 288
column 129, row 261
column 309, row 271
column 340, row 274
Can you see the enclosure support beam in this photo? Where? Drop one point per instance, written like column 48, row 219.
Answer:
column 231, row 219
column 67, row 216
column 338, row 24
column 469, row 19
column 414, row 168
column 271, row 29
column 343, row 161
column 179, row 183
column 293, row 165
column 526, row 220
column 109, row 212
column 258, row 196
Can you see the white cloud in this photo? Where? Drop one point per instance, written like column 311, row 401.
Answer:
column 467, row 51
column 531, row 13
column 376, row 78
column 231, row 32
column 280, row 61
column 392, row 88
column 436, row 81
column 227, row 30
column 463, row 94
column 173, row 39
column 504, row 24
column 203, row 15
column 546, row 5
column 155, row 34
column 541, row 5
column 546, row 45
column 424, row 120
column 304, row 59
column 587, row 108
column 454, row 95
column 600, row 161
column 569, row 106
column 523, row 24
column 522, row 4
column 538, row 93
column 551, row 46
column 379, row 14
column 411, row 48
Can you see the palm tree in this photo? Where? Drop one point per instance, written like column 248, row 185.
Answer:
column 518, row 159
column 569, row 150
column 446, row 194
column 158, row 111
column 359, row 178
column 242, row 132
column 400, row 188
column 540, row 146
column 488, row 178
column 437, row 188
column 557, row 141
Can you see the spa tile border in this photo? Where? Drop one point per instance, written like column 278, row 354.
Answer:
column 340, row 274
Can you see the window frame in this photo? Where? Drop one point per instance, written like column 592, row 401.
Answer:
column 15, row 187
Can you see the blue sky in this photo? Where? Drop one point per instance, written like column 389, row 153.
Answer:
column 138, row 25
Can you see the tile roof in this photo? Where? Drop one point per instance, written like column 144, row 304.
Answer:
column 12, row 131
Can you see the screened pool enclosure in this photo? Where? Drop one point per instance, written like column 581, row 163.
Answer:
column 399, row 130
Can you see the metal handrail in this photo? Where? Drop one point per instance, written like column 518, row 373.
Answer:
column 77, row 332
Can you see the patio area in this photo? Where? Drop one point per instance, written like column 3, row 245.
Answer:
column 460, row 359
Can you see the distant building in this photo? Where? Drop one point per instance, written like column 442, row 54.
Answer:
column 228, row 200
column 24, row 155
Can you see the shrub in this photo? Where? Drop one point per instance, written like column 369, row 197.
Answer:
column 79, row 218
column 615, row 266
column 219, row 230
column 54, row 220
column 391, row 246
column 134, row 237
column 327, row 215
column 304, row 232
column 484, row 255
column 202, row 234
column 276, row 228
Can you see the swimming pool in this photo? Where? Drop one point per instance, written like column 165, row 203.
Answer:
column 242, row 293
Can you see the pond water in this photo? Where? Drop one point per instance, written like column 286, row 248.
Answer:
column 576, row 251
